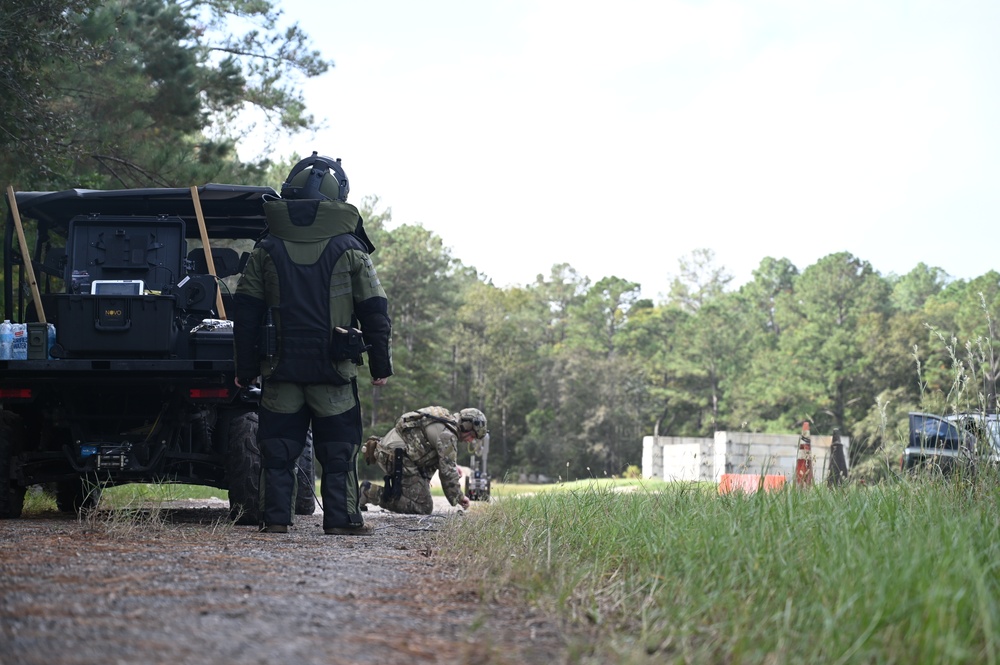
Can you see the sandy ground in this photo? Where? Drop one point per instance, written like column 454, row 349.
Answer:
column 189, row 587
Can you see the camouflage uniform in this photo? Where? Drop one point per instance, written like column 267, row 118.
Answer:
column 429, row 441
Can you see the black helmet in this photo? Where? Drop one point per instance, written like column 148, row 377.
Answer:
column 316, row 177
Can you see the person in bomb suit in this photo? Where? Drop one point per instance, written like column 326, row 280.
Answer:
column 422, row 442
column 312, row 278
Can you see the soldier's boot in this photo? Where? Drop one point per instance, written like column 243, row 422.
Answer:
column 371, row 493
column 363, row 530
column 366, row 485
column 274, row 528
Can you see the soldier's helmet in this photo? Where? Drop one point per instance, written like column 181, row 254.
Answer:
column 472, row 420
column 316, row 177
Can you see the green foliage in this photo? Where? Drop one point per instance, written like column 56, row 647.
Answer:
column 126, row 93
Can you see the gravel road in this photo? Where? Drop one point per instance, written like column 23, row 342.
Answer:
column 189, row 587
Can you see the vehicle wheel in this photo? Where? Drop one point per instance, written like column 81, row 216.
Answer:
column 11, row 441
column 238, row 432
column 305, row 493
column 77, row 495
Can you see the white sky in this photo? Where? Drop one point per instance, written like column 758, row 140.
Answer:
column 620, row 136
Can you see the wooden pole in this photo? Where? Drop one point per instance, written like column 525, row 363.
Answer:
column 208, row 250
column 28, row 268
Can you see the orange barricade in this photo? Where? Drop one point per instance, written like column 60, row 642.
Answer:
column 748, row 483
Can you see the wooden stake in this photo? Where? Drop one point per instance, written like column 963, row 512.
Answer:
column 208, row 250
column 28, row 268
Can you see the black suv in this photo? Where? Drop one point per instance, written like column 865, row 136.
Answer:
column 137, row 384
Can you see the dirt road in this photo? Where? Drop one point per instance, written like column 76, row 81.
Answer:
column 189, row 587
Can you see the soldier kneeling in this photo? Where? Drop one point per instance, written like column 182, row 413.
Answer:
column 422, row 442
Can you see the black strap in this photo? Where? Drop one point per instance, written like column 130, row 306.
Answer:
column 444, row 421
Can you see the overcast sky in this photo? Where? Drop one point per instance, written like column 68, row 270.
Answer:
column 618, row 137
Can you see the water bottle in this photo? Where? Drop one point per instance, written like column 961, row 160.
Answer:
column 6, row 340
column 51, row 340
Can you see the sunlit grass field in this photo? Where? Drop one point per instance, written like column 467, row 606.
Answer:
column 36, row 502
column 902, row 572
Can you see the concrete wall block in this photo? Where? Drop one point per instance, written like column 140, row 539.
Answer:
column 652, row 458
column 707, row 459
column 681, row 462
column 771, row 449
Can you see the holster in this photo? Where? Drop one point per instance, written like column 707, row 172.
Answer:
column 394, row 480
column 348, row 344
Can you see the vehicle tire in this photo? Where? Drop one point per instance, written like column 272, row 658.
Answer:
column 11, row 442
column 77, row 495
column 305, row 493
column 238, row 432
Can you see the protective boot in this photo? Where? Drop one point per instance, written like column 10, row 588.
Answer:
column 339, row 484
column 363, row 530
column 278, row 481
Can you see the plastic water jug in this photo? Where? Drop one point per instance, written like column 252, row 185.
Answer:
column 19, row 348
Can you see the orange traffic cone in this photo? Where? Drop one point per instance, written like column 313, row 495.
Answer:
column 803, row 462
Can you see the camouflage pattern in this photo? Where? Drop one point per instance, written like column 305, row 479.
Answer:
column 472, row 420
column 429, row 446
column 415, row 498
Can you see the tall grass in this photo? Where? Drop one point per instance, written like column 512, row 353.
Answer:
column 902, row 572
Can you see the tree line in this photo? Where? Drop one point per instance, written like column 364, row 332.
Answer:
column 571, row 372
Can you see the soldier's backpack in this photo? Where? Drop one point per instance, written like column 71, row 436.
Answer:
column 421, row 418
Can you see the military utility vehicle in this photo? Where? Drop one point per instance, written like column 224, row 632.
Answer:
column 136, row 384
column 946, row 443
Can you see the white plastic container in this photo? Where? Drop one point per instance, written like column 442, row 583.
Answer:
column 19, row 349
column 6, row 340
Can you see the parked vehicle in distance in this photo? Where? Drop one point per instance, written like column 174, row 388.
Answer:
column 946, row 442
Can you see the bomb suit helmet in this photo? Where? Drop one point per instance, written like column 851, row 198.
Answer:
column 472, row 420
column 316, row 177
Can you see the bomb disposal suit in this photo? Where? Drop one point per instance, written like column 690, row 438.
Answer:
column 313, row 278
